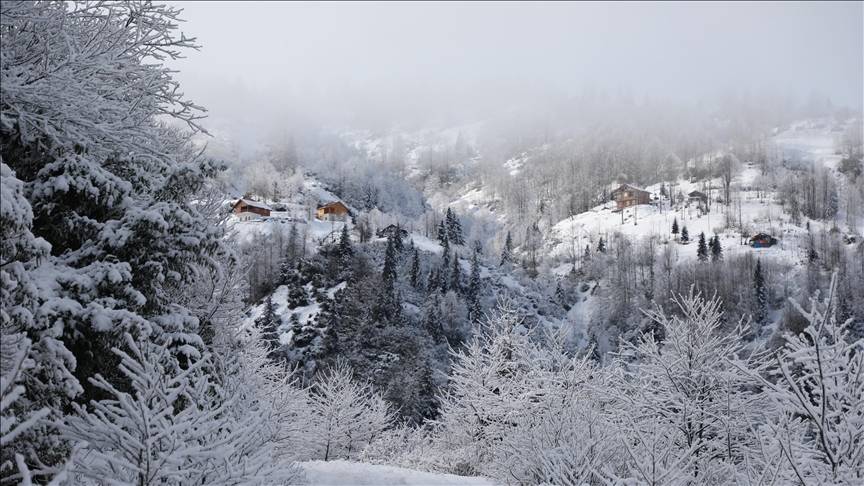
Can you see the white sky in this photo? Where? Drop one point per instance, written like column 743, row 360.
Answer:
column 323, row 60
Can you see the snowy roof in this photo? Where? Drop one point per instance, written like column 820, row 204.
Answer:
column 333, row 204
column 254, row 204
column 628, row 186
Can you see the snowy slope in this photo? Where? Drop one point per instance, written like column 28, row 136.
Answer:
column 345, row 473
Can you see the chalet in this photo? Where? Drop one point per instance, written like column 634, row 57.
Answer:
column 391, row 231
column 247, row 209
column 333, row 211
column 697, row 197
column 628, row 195
column 762, row 240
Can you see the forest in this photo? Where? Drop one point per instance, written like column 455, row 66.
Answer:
column 487, row 310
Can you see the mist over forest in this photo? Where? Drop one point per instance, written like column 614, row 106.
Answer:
column 463, row 243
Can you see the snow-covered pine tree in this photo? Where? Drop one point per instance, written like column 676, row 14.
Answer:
column 675, row 227
column 454, row 228
column 268, row 322
column 347, row 413
column 507, row 251
column 601, row 246
column 702, row 248
column 818, row 385
column 685, row 235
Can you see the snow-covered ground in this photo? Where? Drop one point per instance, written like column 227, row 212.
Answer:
column 345, row 473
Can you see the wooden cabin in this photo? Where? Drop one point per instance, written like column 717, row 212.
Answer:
column 334, row 211
column 629, row 195
column 247, row 209
column 762, row 240
column 392, row 230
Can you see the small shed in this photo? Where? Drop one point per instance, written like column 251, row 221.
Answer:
column 247, row 209
column 333, row 211
column 762, row 240
column 392, row 230
column 628, row 195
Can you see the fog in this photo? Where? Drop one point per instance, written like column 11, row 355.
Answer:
column 266, row 66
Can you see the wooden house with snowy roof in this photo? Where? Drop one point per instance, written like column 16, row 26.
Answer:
column 247, row 209
column 627, row 195
column 332, row 211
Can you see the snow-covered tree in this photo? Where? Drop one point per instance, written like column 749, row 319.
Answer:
column 347, row 413
column 818, row 385
column 686, row 403
column 507, row 251
column 174, row 425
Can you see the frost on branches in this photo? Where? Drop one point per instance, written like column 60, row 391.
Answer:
column 100, row 240
column 818, row 386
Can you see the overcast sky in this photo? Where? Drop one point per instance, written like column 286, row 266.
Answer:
column 326, row 60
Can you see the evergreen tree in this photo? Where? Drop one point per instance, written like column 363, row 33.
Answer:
column 291, row 253
column 432, row 319
column 685, row 235
column 702, row 249
column 473, row 296
column 268, row 324
column 400, row 247
column 601, row 246
column 454, row 228
column 387, row 307
column 442, row 234
column 675, row 227
column 760, row 294
column 415, row 269
column 456, row 275
column 716, row 249
column 507, row 251
column 345, row 251
column 389, row 274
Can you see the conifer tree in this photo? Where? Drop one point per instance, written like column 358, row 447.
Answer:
column 432, row 319
column 442, row 234
column 507, row 251
column 601, row 246
column 675, row 227
column 702, row 250
column 387, row 307
column 716, row 249
column 760, row 294
column 456, row 275
column 268, row 324
column 685, row 235
column 415, row 269
column 454, row 228
column 345, row 251
column 473, row 297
